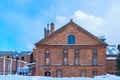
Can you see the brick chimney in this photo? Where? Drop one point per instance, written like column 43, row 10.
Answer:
column 47, row 31
column 45, row 35
column 52, row 25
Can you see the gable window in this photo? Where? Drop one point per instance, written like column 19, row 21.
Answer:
column 71, row 39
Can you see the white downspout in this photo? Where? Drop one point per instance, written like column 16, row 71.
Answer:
column 4, row 65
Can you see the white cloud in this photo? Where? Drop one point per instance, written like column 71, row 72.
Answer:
column 89, row 22
column 60, row 21
column 111, row 23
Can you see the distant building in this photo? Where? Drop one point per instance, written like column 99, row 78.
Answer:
column 112, row 53
column 10, row 61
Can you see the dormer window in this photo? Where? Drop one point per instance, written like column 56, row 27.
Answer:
column 71, row 39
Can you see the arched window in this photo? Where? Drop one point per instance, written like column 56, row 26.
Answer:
column 76, row 51
column 71, row 39
column 65, row 51
column 47, row 51
column 94, row 52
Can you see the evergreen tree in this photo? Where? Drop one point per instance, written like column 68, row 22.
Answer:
column 118, row 65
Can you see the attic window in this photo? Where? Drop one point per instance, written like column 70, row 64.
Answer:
column 71, row 39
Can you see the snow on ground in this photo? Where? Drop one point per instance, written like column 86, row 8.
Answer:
column 17, row 77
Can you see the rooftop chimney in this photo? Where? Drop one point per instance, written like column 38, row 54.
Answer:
column 52, row 25
column 47, row 31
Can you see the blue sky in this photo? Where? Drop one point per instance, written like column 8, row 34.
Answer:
column 22, row 21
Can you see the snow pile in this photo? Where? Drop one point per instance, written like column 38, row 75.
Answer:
column 17, row 77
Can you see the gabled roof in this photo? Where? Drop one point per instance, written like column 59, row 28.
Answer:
column 62, row 28
column 112, row 50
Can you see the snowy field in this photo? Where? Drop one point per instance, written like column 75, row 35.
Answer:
column 16, row 77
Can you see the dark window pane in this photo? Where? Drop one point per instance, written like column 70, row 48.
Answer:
column 47, row 73
column 71, row 39
column 94, row 61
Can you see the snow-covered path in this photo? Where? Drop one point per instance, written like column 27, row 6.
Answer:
column 17, row 77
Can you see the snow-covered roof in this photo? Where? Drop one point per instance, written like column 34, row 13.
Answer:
column 101, row 38
column 15, row 53
column 112, row 49
column 23, row 69
column 111, row 58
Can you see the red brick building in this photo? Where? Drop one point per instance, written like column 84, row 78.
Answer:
column 9, row 64
column 70, row 51
column 112, row 54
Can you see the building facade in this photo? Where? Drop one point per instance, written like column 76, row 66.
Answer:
column 11, row 61
column 112, row 54
column 70, row 51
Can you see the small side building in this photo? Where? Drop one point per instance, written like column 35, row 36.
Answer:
column 112, row 53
